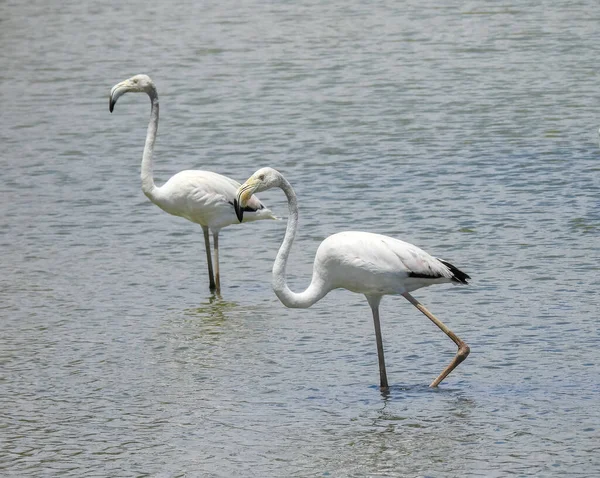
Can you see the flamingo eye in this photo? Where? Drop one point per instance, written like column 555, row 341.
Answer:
column 135, row 81
column 261, row 177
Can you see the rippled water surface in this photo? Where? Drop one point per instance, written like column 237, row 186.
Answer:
column 468, row 129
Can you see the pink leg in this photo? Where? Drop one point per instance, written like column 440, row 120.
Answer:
column 463, row 349
column 374, row 303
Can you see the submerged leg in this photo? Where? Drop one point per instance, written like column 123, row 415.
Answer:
column 374, row 303
column 211, row 278
column 463, row 349
column 217, row 273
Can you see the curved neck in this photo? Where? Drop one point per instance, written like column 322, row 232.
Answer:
column 316, row 290
column 148, row 185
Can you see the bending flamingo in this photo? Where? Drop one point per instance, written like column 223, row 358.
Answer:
column 361, row 262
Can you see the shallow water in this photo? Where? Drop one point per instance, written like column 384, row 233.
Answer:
column 467, row 129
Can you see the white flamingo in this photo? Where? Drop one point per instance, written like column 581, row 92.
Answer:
column 362, row 262
column 203, row 197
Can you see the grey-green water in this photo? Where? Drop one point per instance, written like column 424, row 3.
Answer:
column 468, row 129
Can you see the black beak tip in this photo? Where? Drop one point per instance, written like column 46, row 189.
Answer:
column 239, row 212
column 111, row 105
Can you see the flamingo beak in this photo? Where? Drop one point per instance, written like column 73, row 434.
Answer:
column 118, row 90
column 244, row 193
column 239, row 212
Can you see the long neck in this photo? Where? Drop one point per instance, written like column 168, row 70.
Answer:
column 316, row 290
column 148, row 185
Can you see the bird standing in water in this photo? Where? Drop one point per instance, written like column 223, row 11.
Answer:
column 361, row 262
column 203, row 197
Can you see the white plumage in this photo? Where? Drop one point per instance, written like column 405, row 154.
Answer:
column 375, row 264
column 362, row 262
column 203, row 197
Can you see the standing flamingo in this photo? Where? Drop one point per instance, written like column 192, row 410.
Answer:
column 361, row 262
column 203, row 197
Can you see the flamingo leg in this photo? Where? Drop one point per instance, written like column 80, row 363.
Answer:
column 217, row 273
column 463, row 348
column 211, row 278
column 374, row 303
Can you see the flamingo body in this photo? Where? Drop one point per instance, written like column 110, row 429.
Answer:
column 374, row 264
column 206, row 198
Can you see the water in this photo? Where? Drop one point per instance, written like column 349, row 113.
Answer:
column 468, row 129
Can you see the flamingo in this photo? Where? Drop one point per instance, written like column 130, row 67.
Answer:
column 203, row 197
column 371, row 264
